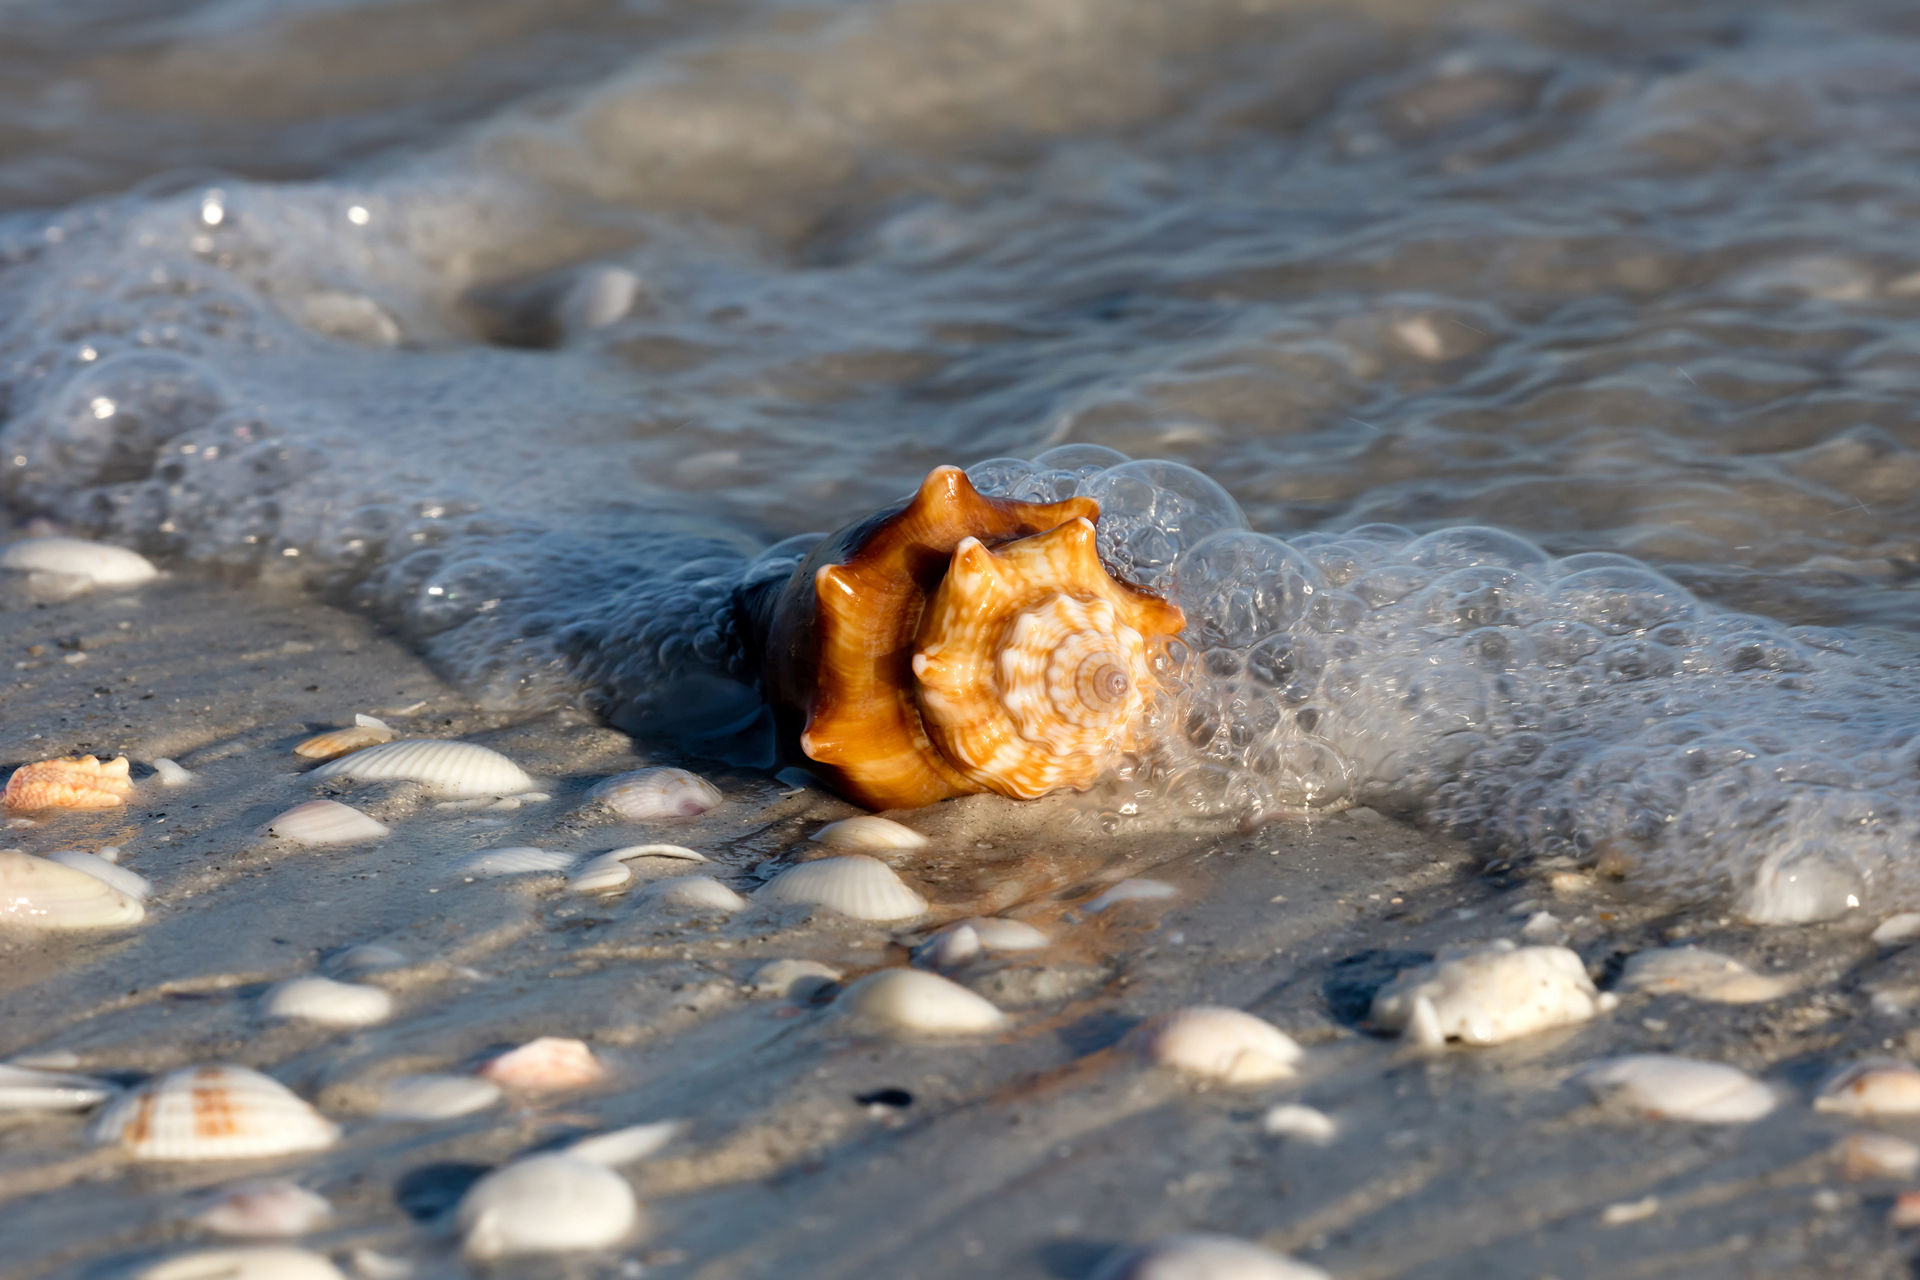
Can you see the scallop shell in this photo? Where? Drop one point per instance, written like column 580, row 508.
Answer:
column 212, row 1113
column 547, row 1204
column 329, row 1003
column 1215, row 1043
column 1202, row 1257
column 1876, row 1088
column 266, row 1210
column 38, row 894
column 1675, row 1088
column 445, row 767
column 365, row 731
column 1702, row 974
column 870, row 831
column 135, row 886
column 852, row 884
column 246, row 1262
column 513, row 860
column 433, row 1097
column 1489, row 995
column 648, row 795
column 77, row 782
column 97, row 562
column 326, row 822
column 545, row 1065
column 921, row 1003
column 31, row 1089
column 696, row 894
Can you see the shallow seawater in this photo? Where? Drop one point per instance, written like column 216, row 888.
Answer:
column 525, row 328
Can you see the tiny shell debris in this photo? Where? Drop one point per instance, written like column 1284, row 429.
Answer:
column 1702, row 974
column 1133, row 890
column 921, row 1003
column 365, row 731
column 1211, row 1042
column 852, row 884
column 134, row 885
column 170, row 773
column 869, row 831
column 1866, row 1156
column 97, row 563
column 1291, row 1120
column 212, row 1113
column 74, row 782
column 695, row 895
column 545, row 1065
column 246, row 1262
column 36, row 893
column 1674, row 1088
column 326, row 822
column 1490, row 995
column 444, row 767
column 799, row 979
column 329, row 1003
column 1881, row 1087
column 435, row 1097
column 33, row 1089
column 647, row 795
column 1202, row 1257
column 274, row 1209
column 513, row 860
column 547, row 1204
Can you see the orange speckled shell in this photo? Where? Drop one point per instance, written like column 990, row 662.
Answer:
column 73, row 783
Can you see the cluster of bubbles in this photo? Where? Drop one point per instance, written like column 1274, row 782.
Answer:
column 1584, row 707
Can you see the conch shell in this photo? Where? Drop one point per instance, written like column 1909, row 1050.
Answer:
column 958, row 643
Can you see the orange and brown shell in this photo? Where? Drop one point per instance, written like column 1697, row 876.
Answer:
column 81, row 782
column 958, row 643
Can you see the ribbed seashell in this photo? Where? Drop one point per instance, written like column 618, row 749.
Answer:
column 870, row 831
column 329, row 1003
column 170, row 773
column 245, row 1262
column 648, row 795
column 1202, row 1257
column 31, row 1089
column 513, row 860
column 545, row 1065
column 547, row 1204
column 445, row 767
column 921, row 1003
column 1291, row 1120
column 98, row 563
column 38, row 894
column 800, row 979
column 365, row 731
column 435, row 1097
column 693, row 894
column 1702, row 974
column 996, row 933
column 272, row 1209
column 619, row 1147
column 1489, row 995
column 1130, row 890
column 1674, row 1088
column 957, row 643
column 1882, row 1087
column 134, row 885
column 852, row 884
column 326, row 822
column 1215, row 1043
column 75, row 782
column 212, row 1113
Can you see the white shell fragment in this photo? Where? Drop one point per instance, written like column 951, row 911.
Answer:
column 626, row 853
column 1900, row 927
column 514, row 860
column 38, row 894
column 1880, row 1087
column 326, row 822
column 1489, row 995
column 212, row 1113
column 170, row 773
column 799, row 979
column 134, row 885
column 547, row 1204
column 366, row 731
column 948, row 949
column 694, row 895
column 1202, row 1257
column 31, row 1089
column 1134, row 890
column 1674, row 1088
column 273, row 1209
column 999, row 934
column 245, row 1262
column 1702, row 974
column 329, row 1003
column 432, row 1097
column 445, row 767
column 626, row 1146
column 97, row 563
column 1291, row 1120
column 853, row 884
column 1876, row 1155
column 610, row 870
column 647, row 795
column 545, row 1065
column 869, row 831
column 921, row 1003
column 1215, row 1043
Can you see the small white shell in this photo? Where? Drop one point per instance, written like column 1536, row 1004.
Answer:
column 30, row 1089
column 948, row 949
column 1880, row 1087
column 38, row 894
column 870, row 831
column 922, row 1003
column 271, row 1209
column 1876, row 1155
column 1702, row 974
column 1674, row 1088
column 1134, row 890
column 853, row 884
column 1489, row 995
column 547, row 1204
column 435, row 1097
column 325, row 822
column 597, row 875
column 329, row 1003
column 1202, row 1257
column 170, row 773
column 625, row 1146
column 1290, row 1120
column 212, row 1113
column 999, row 934
column 1215, row 1043
column 544, row 1065
column 135, row 886
column 513, row 860
column 1901, row 927
column 797, row 978
column 694, row 894
column 246, row 1262
column 647, row 795
column 96, row 562
column 366, row 731
column 445, row 767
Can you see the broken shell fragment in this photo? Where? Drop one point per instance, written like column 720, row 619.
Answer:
column 1882, row 1087
column 212, row 1113
column 134, row 885
column 443, row 766
column 647, row 795
column 170, row 773
column 625, row 1146
column 1702, row 974
column 435, row 1097
column 271, row 1209
column 547, row 1204
column 610, row 870
column 247, row 1262
column 694, row 895
column 74, row 782
column 325, row 822
column 853, row 884
column 1674, row 1088
column 31, row 1089
column 1215, row 1043
column 1862, row 1156
column 545, row 1065
column 1202, row 1257
column 365, row 731
column 1489, row 995
column 329, row 1003
column 921, row 1003
column 870, row 831
column 38, row 894
column 97, row 563
column 1291, row 1120
column 514, row 860
column 999, row 934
